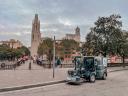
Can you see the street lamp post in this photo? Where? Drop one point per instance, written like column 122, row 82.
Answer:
column 54, row 57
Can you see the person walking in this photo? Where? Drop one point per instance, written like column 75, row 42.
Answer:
column 30, row 67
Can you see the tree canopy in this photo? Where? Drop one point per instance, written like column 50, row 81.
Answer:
column 106, row 37
column 46, row 47
column 7, row 53
column 64, row 47
column 67, row 47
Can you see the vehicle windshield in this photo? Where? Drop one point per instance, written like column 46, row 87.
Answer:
column 77, row 62
column 88, row 63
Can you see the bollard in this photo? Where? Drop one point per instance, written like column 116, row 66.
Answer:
column 30, row 66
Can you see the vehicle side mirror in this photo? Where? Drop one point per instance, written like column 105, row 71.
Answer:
column 95, row 62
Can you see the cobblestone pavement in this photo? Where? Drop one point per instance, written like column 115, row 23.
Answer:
column 115, row 85
column 22, row 76
column 26, row 66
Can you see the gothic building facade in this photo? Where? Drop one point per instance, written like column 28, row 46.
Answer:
column 12, row 43
column 75, row 36
column 35, row 36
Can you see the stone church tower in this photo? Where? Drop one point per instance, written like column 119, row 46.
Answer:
column 75, row 36
column 77, row 32
column 35, row 36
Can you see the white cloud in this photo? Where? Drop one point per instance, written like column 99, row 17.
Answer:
column 2, row 26
column 57, row 17
column 27, row 32
column 10, row 33
column 49, row 29
column 64, row 21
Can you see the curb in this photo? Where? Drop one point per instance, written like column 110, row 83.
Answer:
column 30, row 86
column 117, row 70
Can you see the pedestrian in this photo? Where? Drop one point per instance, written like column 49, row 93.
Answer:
column 34, row 59
column 14, row 66
column 29, row 67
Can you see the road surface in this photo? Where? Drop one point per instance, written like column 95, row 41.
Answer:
column 115, row 85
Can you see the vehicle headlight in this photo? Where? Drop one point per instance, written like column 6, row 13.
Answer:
column 77, row 78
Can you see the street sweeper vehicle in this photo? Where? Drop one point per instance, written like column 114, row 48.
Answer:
column 88, row 68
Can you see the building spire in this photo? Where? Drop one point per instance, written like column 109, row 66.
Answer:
column 36, row 35
column 77, row 30
column 36, row 16
column 36, row 19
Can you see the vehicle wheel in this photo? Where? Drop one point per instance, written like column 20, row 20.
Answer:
column 104, row 76
column 92, row 78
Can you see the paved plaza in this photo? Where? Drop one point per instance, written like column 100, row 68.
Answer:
column 23, row 76
column 115, row 85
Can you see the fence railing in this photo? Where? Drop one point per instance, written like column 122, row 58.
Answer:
column 72, row 65
column 7, row 67
column 4, row 66
column 117, row 64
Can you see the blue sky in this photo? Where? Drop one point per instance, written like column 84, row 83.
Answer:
column 57, row 17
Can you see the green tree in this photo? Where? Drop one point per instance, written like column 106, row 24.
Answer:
column 4, row 50
column 7, row 53
column 123, row 46
column 25, row 50
column 105, row 35
column 67, row 47
column 20, row 52
column 90, row 45
column 46, row 47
